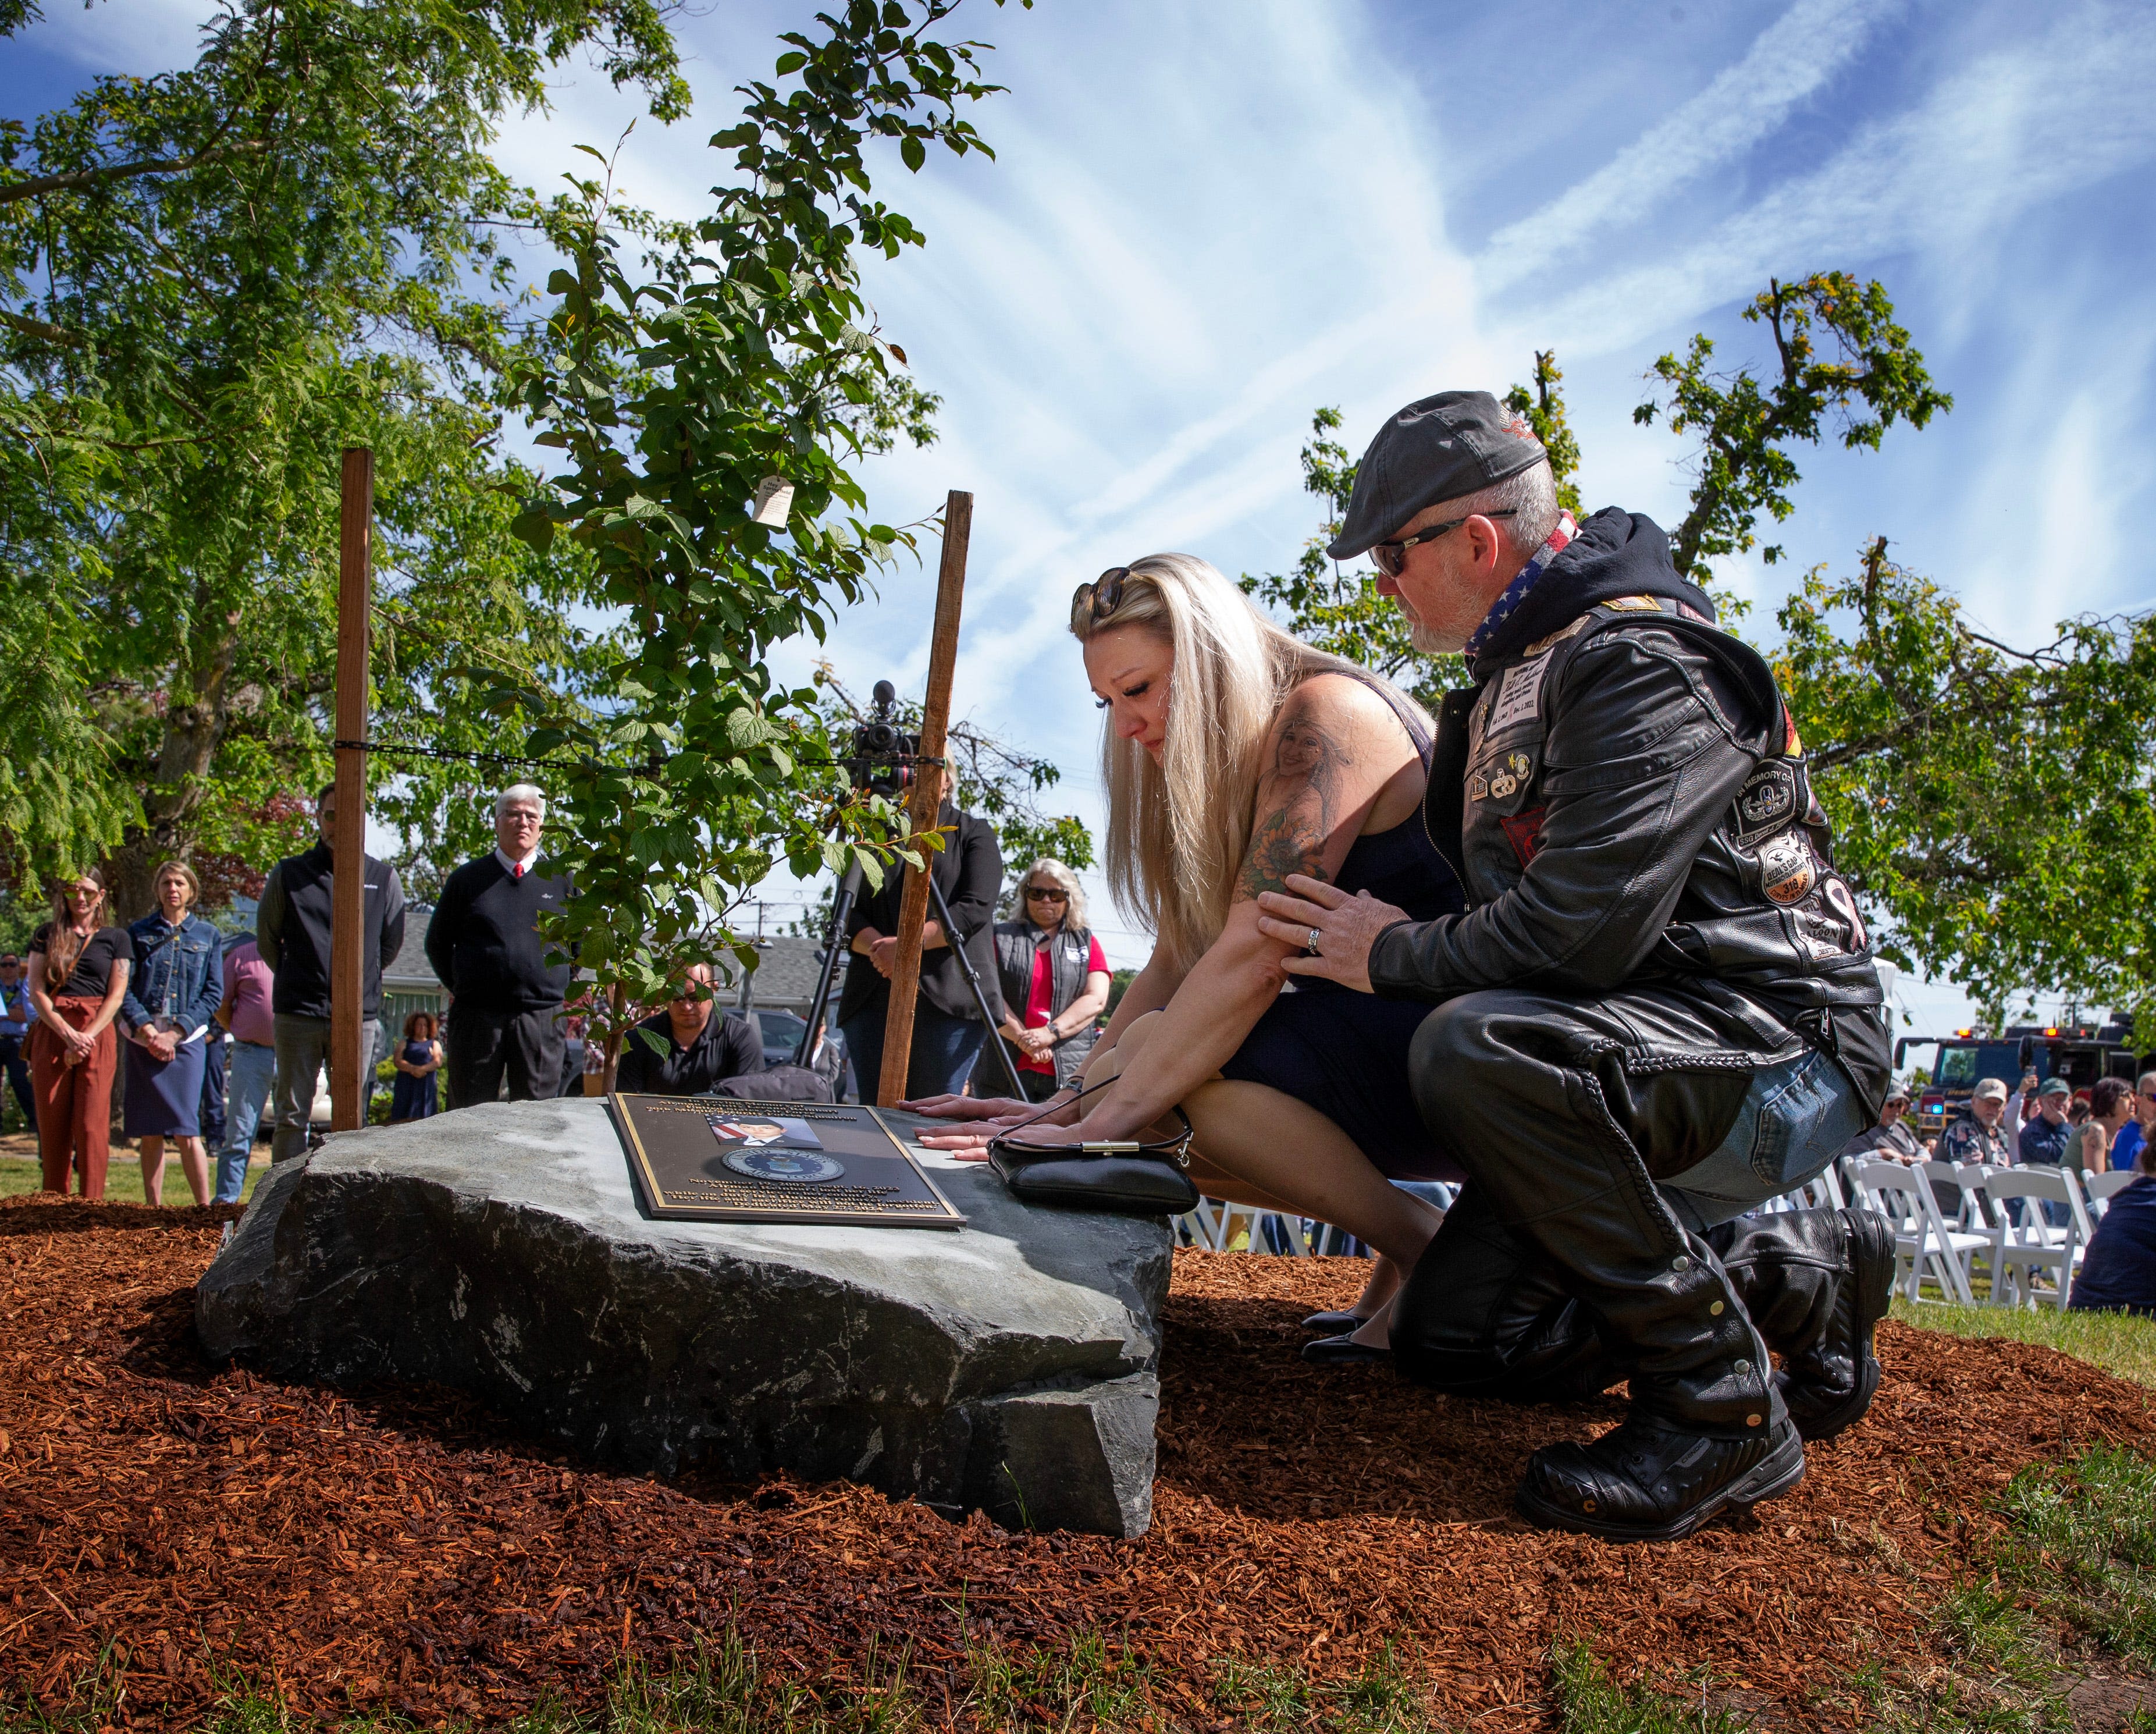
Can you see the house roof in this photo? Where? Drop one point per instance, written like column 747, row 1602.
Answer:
column 409, row 971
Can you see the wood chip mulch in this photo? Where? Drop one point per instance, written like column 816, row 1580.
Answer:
column 399, row 1549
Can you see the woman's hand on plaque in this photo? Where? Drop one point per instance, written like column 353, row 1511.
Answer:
column 969, row 1108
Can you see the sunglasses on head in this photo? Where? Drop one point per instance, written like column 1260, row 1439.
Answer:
column 1388, row 556
column 1095, row 602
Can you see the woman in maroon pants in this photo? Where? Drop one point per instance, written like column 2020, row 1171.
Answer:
column 78, row 977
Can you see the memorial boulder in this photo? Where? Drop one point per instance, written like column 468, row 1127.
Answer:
column 1011, row 1366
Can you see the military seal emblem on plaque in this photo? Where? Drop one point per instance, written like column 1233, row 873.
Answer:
column 787, row 1165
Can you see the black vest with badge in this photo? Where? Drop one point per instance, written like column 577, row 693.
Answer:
column 1017, row 945
column 1763, row 910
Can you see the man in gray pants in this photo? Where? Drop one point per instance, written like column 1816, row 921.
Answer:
column 292, row 932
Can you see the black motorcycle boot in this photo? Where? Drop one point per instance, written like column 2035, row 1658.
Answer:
column 1816, row 1283
column 1643, row 1482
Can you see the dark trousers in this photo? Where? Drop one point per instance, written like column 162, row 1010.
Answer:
column 210, row 1115
column 941, row 1058
column 1602, row 1140
column 484, row 1046
column 18, row 1079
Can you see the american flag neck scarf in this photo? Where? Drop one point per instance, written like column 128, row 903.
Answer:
column 1516, row 592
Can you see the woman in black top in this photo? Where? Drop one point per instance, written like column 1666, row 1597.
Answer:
column 78, row 971
column 948, row 1030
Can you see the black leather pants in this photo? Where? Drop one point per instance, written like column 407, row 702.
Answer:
column 1601, row 1138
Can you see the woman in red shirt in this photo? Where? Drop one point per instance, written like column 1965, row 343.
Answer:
column 1055, row 979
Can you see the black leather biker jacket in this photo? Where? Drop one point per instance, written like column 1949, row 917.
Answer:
column 1626, row 800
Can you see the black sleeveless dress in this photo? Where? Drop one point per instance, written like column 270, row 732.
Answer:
column 1346, row 1054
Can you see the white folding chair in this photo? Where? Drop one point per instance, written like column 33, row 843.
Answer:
column 1979, row 1215
column 1921, row 1238
column 1822, row 1191
column 2103, row 1187
column 2019, row 1250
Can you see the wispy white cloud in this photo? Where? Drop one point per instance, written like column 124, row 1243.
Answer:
column 1986, row 143
column 1788, row 65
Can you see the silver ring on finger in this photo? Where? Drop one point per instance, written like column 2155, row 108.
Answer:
column 1310, row 945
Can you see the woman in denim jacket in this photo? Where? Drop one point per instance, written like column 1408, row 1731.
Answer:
column 169, row 1013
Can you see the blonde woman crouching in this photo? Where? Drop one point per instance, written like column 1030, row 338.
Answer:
column 1233, row 756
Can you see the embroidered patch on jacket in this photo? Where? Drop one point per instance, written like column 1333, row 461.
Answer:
column 1793, row 745
column 1478, row 787
column 1635, row 604
column 1519, row 695
column 1524, row 831
column 1557, row 637
column 1787, row 871
column 1767, row 802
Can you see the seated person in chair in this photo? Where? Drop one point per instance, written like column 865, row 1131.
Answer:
column 689, row 1047
column 2118, row 1273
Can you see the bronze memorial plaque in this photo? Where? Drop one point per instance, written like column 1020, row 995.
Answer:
column 721, row 1159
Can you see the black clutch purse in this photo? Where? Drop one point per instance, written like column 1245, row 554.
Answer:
column 1124, row 1175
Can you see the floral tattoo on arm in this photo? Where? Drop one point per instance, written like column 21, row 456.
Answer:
column 1298, row 795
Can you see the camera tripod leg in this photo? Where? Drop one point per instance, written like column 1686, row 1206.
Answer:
column 954, row 939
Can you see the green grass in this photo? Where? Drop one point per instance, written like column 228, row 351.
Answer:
column 1588, row 1701
column 2118, row 1342
column 725, row 1687
column 123, row 1177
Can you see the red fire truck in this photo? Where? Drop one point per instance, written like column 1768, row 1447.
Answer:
column 2081, row 1053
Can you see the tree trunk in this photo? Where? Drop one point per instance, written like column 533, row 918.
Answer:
column 193, row 730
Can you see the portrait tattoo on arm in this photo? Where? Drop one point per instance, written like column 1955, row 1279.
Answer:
column 1298, row 795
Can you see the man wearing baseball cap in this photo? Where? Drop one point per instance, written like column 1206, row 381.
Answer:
column 1658, row 1010
column 1981, row 1136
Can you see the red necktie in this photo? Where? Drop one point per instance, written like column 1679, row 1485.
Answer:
column 516, row 871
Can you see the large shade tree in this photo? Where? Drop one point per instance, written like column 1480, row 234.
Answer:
column 214, row 280
column 1995, row 807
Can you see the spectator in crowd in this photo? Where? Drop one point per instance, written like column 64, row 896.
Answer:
column 16, row 1015
column 292, row 933
column 483, row 942
column 168, row 1013
column 948, row 1030
column 2021, row 1105
column 79, row 969
column 689, row 1049
column 2047, row 1141
column 2118, row 1274
column 2111, row 1111
column 1890, row 1140
column 245, row 1011
column 1980, row 1136
column 216, row 1061
column 827, row 1059
column 2043, row 1142
column 1055, row 979
column 2133, row 1137
column 415, row 1095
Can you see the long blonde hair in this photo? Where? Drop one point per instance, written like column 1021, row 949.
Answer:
column 1177, row 831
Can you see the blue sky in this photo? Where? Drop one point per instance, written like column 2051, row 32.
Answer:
column 1207, row 218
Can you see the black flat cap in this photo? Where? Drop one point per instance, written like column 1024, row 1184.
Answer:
column 1438, row 448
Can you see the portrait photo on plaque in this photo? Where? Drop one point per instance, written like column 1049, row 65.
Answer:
column 721, row 1159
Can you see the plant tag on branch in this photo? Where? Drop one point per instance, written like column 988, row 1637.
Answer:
column 774, row 500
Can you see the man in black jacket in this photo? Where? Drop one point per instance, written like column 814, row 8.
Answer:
column 1659, row 1012
column 506, row 989
column 690, row 1047
column 948, row 1030
column 292, row 926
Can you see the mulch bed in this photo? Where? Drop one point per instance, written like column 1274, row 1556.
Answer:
column 398, row 1549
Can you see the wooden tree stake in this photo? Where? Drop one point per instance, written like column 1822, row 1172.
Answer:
column 927, row 797
column 348, row 888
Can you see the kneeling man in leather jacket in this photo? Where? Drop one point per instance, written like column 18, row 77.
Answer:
column 1658, row 1010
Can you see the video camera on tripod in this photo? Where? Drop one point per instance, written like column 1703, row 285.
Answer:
column 884, row 759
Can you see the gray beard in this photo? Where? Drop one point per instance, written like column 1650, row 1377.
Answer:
column 1432, row 641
